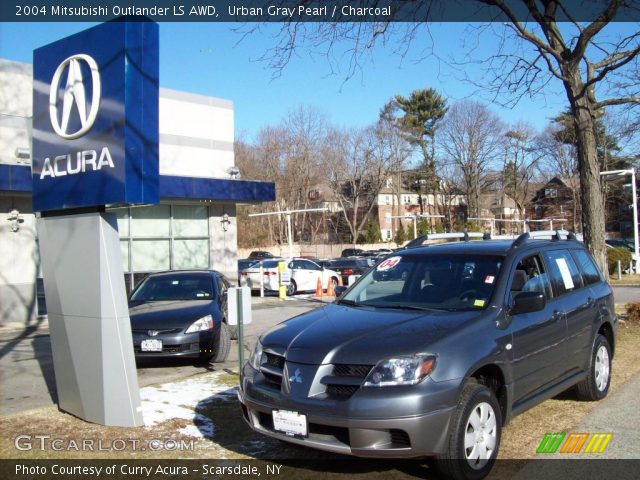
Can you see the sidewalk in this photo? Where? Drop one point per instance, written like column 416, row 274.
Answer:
column 616, row 414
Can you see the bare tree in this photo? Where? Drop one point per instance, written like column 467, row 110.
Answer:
column 471, row 140
column 520, row 164
column 359, row 162
column 540, row 41
column 561, row 160
column 588, row 63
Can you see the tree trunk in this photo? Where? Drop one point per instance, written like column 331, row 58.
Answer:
column 590, row 198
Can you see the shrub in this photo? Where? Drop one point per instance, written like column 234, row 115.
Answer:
column 401, row 236
column 615, row 254
column 633, row 313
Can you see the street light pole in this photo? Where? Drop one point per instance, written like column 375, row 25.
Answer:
column 635, row 219
column 634, row 196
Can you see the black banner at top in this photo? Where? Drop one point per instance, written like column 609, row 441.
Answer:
column 309, row 10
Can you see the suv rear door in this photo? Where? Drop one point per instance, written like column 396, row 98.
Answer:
column 576, row 303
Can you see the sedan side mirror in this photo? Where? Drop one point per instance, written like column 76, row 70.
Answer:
column 527, row 302
column 340, row 289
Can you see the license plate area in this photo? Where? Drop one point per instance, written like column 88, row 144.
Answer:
column 151, row 345
column 293, row 424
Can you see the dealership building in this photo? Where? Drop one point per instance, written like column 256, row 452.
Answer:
column 194, row 226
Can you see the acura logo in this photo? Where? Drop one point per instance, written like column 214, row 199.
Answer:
column 74, row 95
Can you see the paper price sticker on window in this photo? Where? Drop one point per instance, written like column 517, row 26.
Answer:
column 565, row 272
column 388, row 264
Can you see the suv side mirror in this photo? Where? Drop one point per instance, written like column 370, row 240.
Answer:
column 527, row 302
column 340, row 289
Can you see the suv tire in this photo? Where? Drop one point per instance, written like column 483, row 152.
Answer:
column 474, row 433
column 596, row 385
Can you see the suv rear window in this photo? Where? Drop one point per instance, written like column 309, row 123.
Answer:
column 564, row 273
column 590, row 272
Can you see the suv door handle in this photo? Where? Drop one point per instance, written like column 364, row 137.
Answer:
column 557, row 315
column 590, row 302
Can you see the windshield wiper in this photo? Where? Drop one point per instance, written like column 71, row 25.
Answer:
column 405, row 307
column 350, row 303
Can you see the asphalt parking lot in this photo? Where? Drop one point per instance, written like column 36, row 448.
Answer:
column 26, row 365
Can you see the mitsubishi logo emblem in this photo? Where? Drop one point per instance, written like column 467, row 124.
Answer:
column 74, row 95
column 296, row 377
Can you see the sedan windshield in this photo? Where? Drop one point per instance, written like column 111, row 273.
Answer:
column 429, row 282
column 174, row 287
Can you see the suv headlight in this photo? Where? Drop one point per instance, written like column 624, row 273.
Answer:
column 256, row 356
column 200, row 325
column 401, row 371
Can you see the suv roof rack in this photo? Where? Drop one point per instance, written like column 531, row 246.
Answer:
column 462, row 236
column 553, row 235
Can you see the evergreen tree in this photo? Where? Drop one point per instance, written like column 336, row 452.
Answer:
column 401, row 235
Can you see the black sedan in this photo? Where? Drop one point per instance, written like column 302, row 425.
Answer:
column 180, row 314
column 348, row 267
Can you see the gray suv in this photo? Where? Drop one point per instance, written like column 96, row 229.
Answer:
column 434, row 362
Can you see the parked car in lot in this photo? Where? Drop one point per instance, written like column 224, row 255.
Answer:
column 260, row 254
column 620, row 243
column 435, row 362
column 181, row 314
column 304, row 275
column 245, row 263
column 351, row 252
column 347, row 267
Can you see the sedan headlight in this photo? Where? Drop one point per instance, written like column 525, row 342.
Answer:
column 401, row 371
column 256, row 356
column 200, row 325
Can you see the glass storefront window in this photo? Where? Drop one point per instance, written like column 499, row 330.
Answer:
column 149, row 255
column 153, row 221
column 163, row 237
column 190, row 221
column 124, row 250
column 123, row 221
column 190, row 254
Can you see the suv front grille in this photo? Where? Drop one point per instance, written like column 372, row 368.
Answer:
column 346, row 380
column 272, row 369
column 351, row 370
column 275, row 360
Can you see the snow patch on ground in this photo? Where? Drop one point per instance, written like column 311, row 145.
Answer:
column 179, row 401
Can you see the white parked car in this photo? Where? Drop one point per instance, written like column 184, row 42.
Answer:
column 304, row 275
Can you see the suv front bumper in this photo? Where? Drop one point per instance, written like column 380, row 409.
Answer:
column 408, row 436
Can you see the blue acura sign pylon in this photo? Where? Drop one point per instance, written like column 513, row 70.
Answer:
column 95, row 143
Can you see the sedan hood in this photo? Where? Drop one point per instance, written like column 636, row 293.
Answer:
column 357, row 335
column 169, row 314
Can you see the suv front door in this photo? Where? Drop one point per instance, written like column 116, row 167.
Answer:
column 538, row 337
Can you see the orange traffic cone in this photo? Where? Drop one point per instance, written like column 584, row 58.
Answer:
column 319, row 288
column 340, row 284
column 330, row 291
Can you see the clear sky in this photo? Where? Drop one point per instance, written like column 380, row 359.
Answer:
column 213, row 59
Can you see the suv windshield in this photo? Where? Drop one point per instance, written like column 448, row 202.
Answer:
column 174, row 287
column 452, row 283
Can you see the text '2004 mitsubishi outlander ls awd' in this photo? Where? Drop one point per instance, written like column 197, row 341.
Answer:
column 434, row 362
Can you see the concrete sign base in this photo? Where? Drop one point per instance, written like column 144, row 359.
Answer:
column 91, row 341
